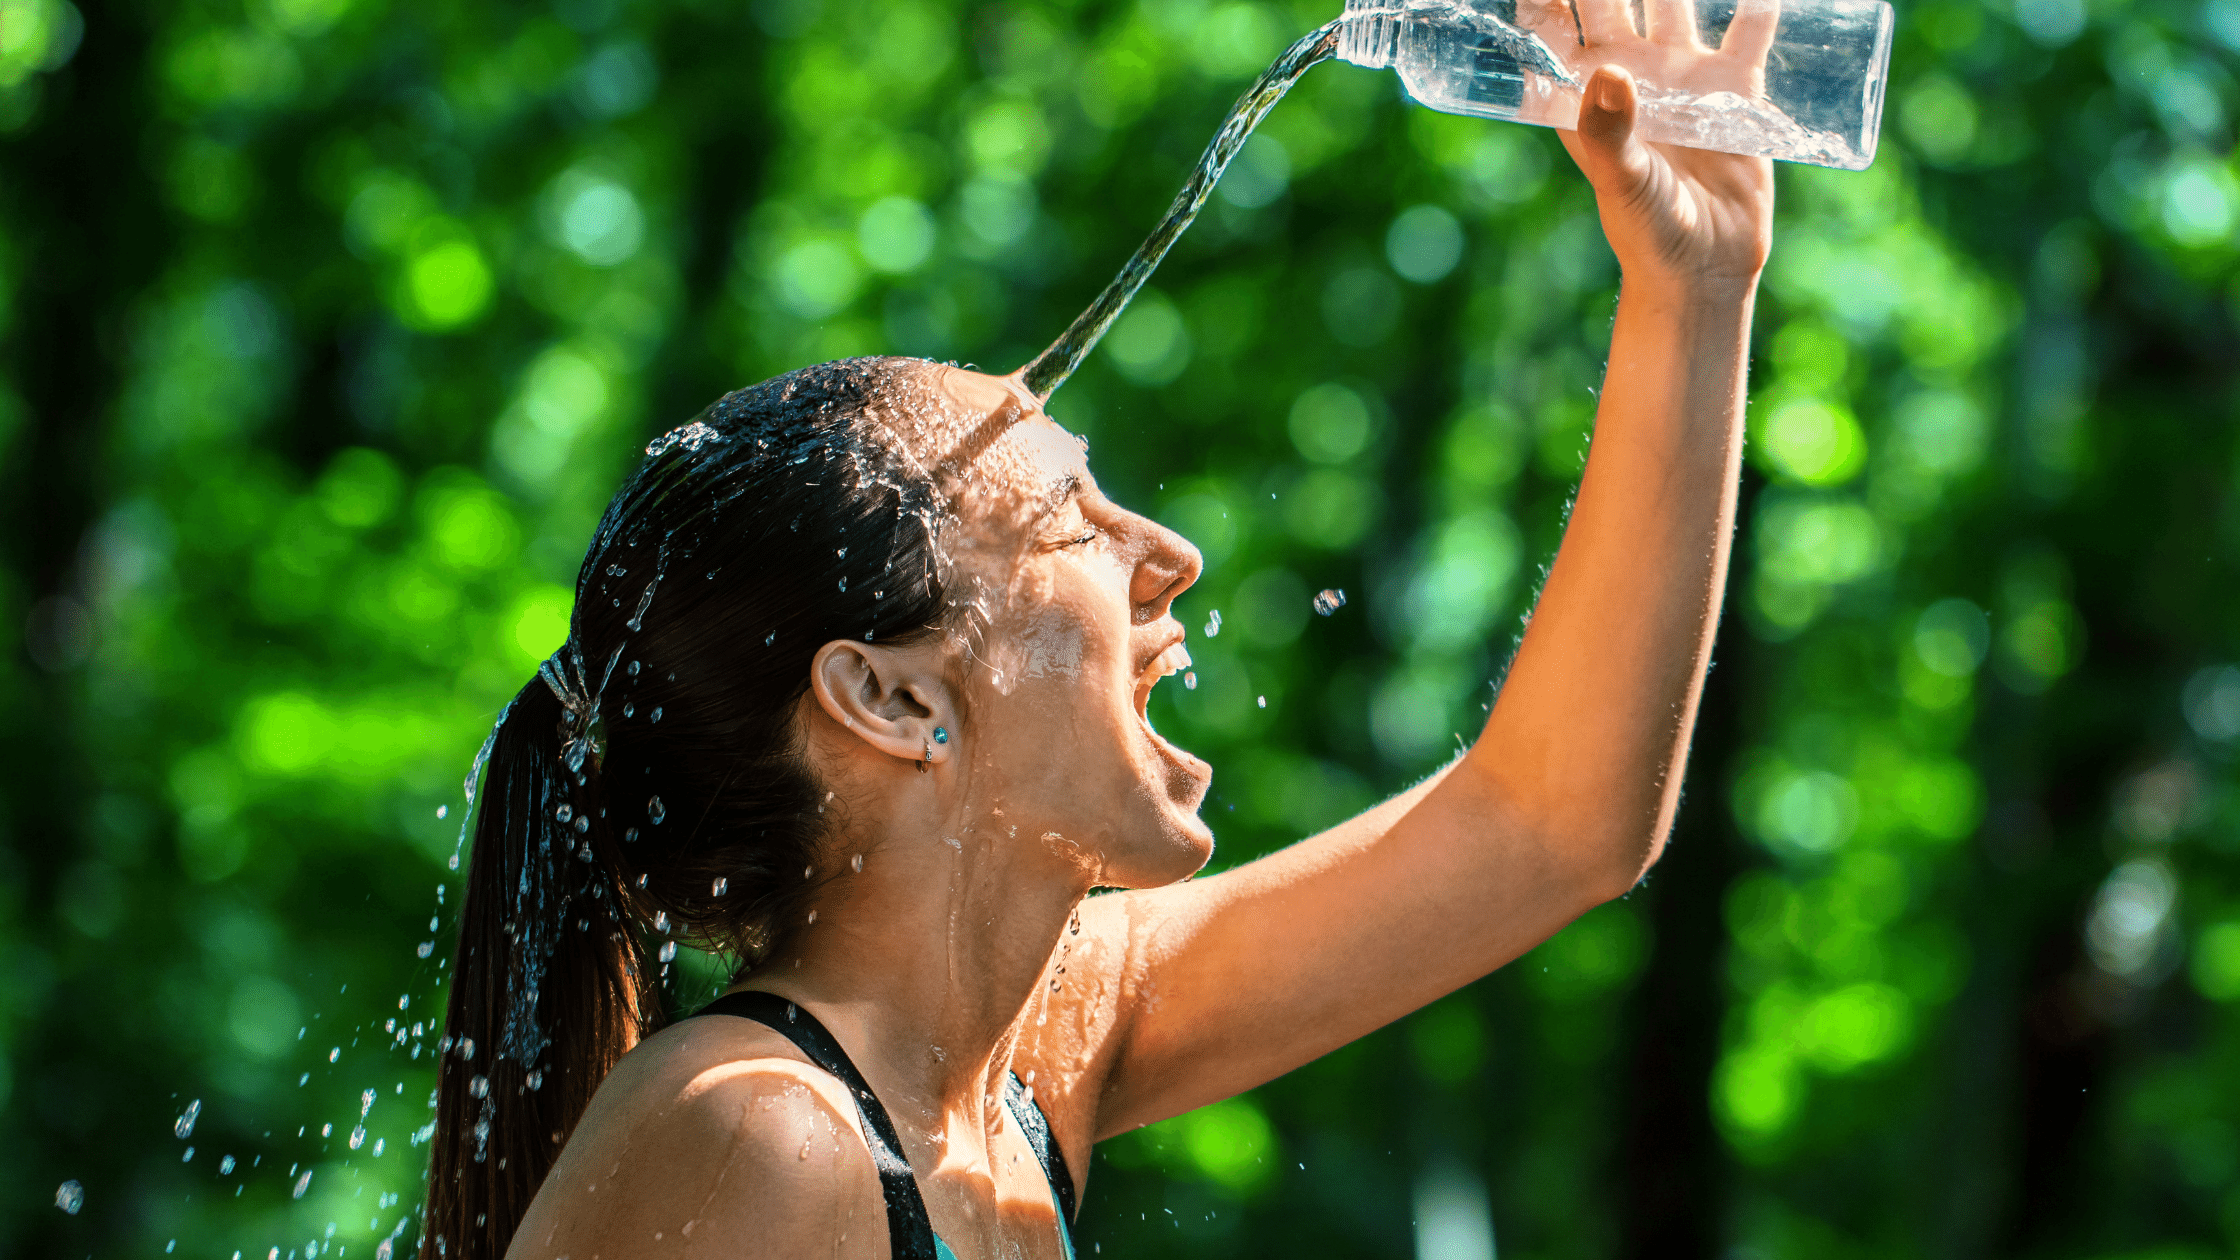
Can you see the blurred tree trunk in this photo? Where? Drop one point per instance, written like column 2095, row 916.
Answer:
column 86, row 233
column 1672, row 1173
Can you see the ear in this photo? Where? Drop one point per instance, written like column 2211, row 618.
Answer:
column 890, row 698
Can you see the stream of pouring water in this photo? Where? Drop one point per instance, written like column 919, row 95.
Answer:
column 1051, row 368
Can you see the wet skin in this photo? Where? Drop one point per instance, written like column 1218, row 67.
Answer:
column 966, row 946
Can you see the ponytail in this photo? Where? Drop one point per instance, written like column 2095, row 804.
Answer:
column 548, row 990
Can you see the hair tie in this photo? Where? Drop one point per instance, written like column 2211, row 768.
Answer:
column 583, row 735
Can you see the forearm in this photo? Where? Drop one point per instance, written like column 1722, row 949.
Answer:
column 1588, row 740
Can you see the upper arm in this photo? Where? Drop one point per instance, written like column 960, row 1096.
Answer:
column 1216, row 985
column 753, row 1158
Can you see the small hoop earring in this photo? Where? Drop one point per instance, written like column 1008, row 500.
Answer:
column 928, row 759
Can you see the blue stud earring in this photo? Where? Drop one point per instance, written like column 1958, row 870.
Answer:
column 940, row 734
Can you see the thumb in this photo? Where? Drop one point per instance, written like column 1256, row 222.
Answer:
column 1606, row 150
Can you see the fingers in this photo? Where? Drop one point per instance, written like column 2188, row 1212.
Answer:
column 1671, row 22
column 1603, row 21
column 1553, row 21
column 1606, row 150
column 1749, row 36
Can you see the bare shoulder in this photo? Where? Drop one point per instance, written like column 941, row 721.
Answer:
column 710, row 1139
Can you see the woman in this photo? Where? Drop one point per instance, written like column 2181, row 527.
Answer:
column 855, row 688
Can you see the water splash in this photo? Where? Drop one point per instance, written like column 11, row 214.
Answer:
column 1051, row 368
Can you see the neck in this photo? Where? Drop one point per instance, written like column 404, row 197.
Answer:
column 926, row 962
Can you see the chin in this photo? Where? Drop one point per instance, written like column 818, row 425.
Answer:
column 1174, row 844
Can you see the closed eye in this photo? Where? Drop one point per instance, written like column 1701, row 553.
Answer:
column 1090, row 536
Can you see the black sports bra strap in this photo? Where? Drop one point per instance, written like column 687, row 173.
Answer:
column 908, row 1227
column 1036, row 1126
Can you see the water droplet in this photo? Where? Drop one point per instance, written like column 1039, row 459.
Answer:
column 655, row 812
column 378, row 1143
column 426, row 948
column 668, row 950
column 583, row 825
column 365, row 1104
column 479, row 1087
column 357, row 1137
column 334, row 1054
column 225, row 1166
column 660, row 920
column 1190, row 680
column 187, row 1158
column 629, row 710
column 770, row 638
column 184, row 1126
column 843, row 584
column 326, row 1131
column 564, row 813
column 1213, row 623
column 633, row 669
column 303, row 1183
column 856, row 863
column 1263, row 702
column 656, row 715
column 629, row 834
column 443, row 811
column 1329, row 601
column 812, row 916
column 70, row 1196
column 720, row 887
column 536, row 1079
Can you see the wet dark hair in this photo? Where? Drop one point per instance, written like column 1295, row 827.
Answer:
column 668, row 796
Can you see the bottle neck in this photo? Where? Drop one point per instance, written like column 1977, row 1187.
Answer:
column 1371, row 36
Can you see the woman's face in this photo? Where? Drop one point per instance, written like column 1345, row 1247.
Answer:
column 1070, row 625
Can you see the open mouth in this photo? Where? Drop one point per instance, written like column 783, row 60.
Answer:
column 1172, row 659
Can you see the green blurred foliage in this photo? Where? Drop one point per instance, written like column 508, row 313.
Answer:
column 330, row 325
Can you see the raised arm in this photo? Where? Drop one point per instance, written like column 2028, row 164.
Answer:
column 1568, row 793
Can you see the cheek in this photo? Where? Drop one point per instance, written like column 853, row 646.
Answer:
column 1059, row 635
column 1046, row 648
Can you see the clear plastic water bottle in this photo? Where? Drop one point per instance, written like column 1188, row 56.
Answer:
column 1799, row 80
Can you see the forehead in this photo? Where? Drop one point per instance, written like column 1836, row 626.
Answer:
column 989, row 444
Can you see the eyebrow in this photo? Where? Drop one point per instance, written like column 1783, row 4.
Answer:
column 1060, row 494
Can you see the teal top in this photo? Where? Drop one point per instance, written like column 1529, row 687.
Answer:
column 1065, row 1240
column 909, row 1229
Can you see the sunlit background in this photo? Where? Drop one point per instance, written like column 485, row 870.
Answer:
column 329, row 325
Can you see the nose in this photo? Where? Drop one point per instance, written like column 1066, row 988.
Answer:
column 1169, row 566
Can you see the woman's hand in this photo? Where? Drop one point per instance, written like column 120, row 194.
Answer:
column 1671, row 213
column 1683, row 216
